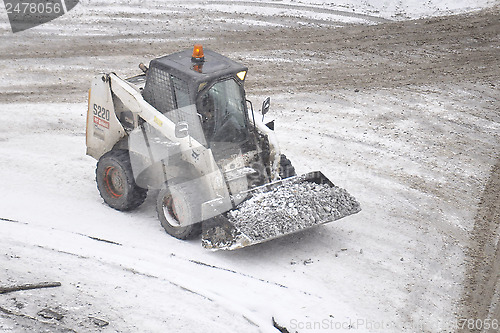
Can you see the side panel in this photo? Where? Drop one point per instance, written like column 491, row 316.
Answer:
column 103, row 128
column 273, row 144
column 211, row 181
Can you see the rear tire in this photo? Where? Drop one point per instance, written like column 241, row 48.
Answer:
column 286, row 168
column 177, row 202
column 116, row 183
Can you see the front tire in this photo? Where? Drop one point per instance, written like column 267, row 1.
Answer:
column 116, row 183
column 179, row 202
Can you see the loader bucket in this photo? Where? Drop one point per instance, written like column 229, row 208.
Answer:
column 277, row 209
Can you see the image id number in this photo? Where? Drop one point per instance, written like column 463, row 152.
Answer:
column 33, row 8
column 478, row 324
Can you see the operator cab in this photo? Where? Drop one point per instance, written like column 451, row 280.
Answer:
column 201, row 87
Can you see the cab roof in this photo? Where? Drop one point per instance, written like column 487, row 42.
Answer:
column 213, row 67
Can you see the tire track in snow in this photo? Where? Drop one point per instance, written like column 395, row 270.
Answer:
column 192, row 261
column 481, row 299
column 9, row 220
column 173, row 279
column 304, row 8
column 186, row 277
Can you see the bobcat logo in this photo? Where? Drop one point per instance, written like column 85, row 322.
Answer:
column 26, row 14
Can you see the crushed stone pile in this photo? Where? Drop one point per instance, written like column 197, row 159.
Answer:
column 291, row 207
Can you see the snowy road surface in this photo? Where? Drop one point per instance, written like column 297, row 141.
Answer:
column 404, row 115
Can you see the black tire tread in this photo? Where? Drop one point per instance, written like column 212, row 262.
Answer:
column 135, row 195
column 183, row 233
column 286, row 168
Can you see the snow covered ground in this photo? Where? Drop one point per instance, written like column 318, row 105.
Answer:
column 275, row 13
column 416, row 155
column 337, row 273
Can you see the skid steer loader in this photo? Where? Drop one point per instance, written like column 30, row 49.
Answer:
column 183, row 129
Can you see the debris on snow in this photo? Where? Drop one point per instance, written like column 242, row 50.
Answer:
column 99, row 322
column 308, row 261
column 48, row 313
column 28, row 286
column 280, row 328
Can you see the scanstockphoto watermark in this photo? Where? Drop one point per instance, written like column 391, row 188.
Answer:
column 363, row 324
column 26, row 14
column 331, row 324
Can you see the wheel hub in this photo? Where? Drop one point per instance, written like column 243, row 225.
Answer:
column 114, row 182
